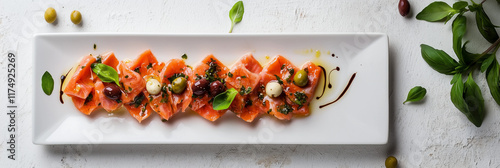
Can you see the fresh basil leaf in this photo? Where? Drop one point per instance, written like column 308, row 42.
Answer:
column 487, row 62
column 455, row 78
column 460, row 5
column 439, row 60
column 105, row 73
column 417, row 93
column 224, row 100
column 236, row 14
column 492, row 78
column 457, row 92
column 459, row 27
column 47, row 83
column 437, row 12
column 475, row 102
column 486, row 28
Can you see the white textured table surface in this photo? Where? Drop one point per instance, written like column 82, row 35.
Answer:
column 428, row 134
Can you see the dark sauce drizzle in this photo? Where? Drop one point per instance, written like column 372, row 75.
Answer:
column 329, row 78
column 63, row 77
column 343, row 92
column 324, row 82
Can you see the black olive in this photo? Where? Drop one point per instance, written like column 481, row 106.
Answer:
column 112, row 91
column 404, row 7
column 200, row 87
column 216, row 87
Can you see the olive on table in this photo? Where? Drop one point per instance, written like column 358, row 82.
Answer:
column 76, row 17
column 391, row 162
column 216, row 87
column 404, row 7
column 112, row 91
column 200, row 87
column 300, row 78
column 179, row 85
column 50, row 15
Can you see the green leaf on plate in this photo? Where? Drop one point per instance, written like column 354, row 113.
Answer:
column 416, row 94
column 224, row 100
column 236, row 14
column 47, row 83
column 437, row 12
column 106, row 73
column 439, row 60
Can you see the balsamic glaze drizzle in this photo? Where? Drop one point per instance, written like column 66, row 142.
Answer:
column 63, row 77
column 343, row 92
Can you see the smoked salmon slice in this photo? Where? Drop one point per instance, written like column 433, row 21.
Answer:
column 280, row 70
column 106, row 103
column 133, row 78
column 211, row 69
column 82, row 81
column 87, row 105
column 244, row 77
column 178, row 102
column 300, row 97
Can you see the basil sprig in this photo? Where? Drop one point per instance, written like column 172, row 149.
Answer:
column 223, row 100
column 466, row 96
column 47, row 83
column 236, row 14
column 105, row 73
column 417, row 93
column 468, row 99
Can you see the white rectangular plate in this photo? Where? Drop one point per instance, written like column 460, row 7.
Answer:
column 359, row 117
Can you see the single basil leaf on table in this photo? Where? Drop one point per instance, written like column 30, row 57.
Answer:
column 224, row 100
column 236, row 14
column 47, row 83
column 486, row 28
column 474, row 99
column 460, row 5
column 492, row 78
column 106, row 73
column 437, row 12
column 459, row 27
column 417, row 93
column 439, row 60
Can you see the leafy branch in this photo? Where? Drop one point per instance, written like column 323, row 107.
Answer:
column 466, row 97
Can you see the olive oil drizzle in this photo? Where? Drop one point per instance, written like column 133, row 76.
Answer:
column 343, row 92
column 63, row 77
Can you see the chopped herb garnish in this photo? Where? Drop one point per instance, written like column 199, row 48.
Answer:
column 99, row 59
column 150, row 65
column 300, row 98
column 150, row 98
column 261, row 96
column 211, row 72
column 230, row 74
column 269, row 111
column 244, row 91
column 198, row 77
column 129, row 89
column 248, row 103
column 137, row 70
column 184, row 56
column 285, row 109
column 118, row 101
column 126, row 76
column 279, row 79
column 282, row 67
column 164, row 89
column 88, row 99
column 83, row 67
column 242, row 77
column 137, row 100
column 163, row 100
column 173, row 77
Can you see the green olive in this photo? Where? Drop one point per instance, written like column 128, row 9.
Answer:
column 76, row 17
column 300, row 78
column 391, row 162
column 179, row 84
column 50, row 15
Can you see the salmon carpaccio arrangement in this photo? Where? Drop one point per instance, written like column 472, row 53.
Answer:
column 145, row 86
